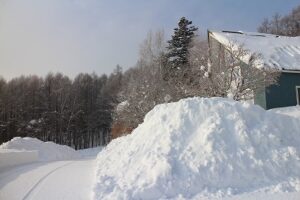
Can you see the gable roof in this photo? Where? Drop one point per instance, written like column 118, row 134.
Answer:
column 277, row 52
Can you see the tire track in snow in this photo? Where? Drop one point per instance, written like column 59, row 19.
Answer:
column 43, row 178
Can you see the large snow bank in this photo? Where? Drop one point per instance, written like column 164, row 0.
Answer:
column 46, row 151
column 202, row 147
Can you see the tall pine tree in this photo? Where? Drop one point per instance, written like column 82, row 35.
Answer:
column 177, row 56
column 179, row 44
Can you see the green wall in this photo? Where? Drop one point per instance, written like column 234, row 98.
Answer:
column 260, row 98
column 283, row 94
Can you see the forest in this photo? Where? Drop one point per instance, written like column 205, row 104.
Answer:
column 75, row 112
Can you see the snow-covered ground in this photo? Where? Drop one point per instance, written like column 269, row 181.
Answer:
column 293, row 111
column 55, row 171
column 47, row 181
column 196, row 148
column 13, row 157
column 27, row 150
column 203, row 149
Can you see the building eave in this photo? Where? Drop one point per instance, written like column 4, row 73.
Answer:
column 290, row 71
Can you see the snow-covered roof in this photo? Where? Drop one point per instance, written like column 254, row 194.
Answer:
column 277, row 52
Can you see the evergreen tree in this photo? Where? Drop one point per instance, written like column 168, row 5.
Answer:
column 179, row 44
column 176, row 68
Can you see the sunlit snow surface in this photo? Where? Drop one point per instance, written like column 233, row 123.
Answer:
column 27, row 150
column 277, row 52
column 196, row 148
column 202, row 148
column 292, row 111
column 46, row 178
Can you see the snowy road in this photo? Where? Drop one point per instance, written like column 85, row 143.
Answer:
column 54, row 180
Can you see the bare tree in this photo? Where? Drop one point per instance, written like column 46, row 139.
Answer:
column 143, row 86
column 76, row 113
column 265, row 26
column 288, row 25
column 228, row 76
column 198, row 58
column 275, row 25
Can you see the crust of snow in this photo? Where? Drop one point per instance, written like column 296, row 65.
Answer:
column 202, row 148
column 278, row 52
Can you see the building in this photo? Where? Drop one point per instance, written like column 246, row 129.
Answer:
column 276, row 53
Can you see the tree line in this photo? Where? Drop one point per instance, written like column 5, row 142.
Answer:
column 75, row 112
column 288, row 25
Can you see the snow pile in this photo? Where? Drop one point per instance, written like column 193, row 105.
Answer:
column 292, row 111
column 47, row 151
column 202, row 147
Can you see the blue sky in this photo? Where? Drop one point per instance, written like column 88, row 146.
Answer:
column 73, row 36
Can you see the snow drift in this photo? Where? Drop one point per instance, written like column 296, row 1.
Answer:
column 201, row 147
column 11, row 157
column 293, row 111
column 25, row 150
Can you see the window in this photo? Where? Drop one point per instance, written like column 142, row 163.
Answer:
column 298, row 94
